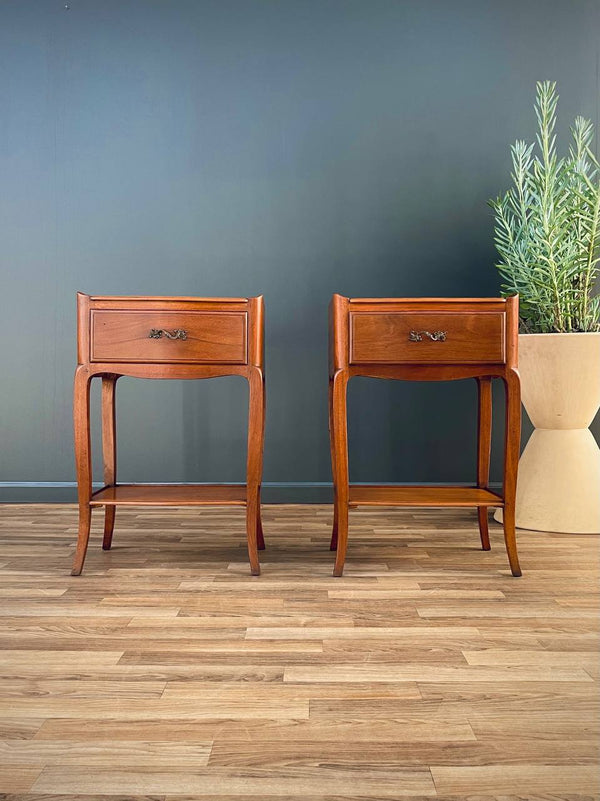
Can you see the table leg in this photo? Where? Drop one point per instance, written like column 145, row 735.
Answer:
column 83, row 460
column 334, row 531
column 484, row 445
column 109, row 451
column 260, row 539
column 512, row 439
column 256, row 433
column 339, row 424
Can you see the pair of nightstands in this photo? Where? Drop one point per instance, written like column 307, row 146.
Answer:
column 408, row 339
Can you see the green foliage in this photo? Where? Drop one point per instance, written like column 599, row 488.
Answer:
column 547, row 227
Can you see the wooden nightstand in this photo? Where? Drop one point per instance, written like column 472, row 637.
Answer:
column 425, row 339
column 161, row 337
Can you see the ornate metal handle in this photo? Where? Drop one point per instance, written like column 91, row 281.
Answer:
column 158, row 333
column 436, row 336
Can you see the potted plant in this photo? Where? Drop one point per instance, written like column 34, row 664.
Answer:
column 547, row 232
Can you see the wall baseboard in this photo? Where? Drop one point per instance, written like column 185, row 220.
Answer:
column 272, row 491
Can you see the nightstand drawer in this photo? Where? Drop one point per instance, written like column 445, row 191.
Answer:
column 427, row 337
column 200, row 337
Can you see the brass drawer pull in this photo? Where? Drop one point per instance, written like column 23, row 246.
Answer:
column 158, row 333
column 436, row 336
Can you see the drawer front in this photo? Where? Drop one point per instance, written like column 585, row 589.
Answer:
column 427, row 337
column 168, row 336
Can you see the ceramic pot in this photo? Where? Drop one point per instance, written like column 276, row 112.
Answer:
column 558, row 487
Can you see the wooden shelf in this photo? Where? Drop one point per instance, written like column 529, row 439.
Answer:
column 171, row 495
column 382, row 495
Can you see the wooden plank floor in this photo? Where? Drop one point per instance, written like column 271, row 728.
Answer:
column 167, row 672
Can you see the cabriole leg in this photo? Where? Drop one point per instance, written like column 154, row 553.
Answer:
column 512, row 440
column 256, row 432
column 109, row 451
column 83, row 461
column 339, row 424
column 334, row 531
column 260, row 540
column 484, row 446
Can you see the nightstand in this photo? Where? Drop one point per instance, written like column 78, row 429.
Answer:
column 163, row 337
column 427, row 339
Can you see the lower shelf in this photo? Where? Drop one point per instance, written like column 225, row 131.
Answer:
column 171, row 495
column 383, row 495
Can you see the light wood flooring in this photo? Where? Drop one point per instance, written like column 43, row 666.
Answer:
column 167, row 672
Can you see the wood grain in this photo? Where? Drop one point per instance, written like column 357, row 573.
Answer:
column 426, row 339
column 383, row 495
column 468, row 337
column 124, row 336
column 169, row 673
column 160, row 338
column 171, row 495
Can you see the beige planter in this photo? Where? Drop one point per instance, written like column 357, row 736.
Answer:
column 558, row 488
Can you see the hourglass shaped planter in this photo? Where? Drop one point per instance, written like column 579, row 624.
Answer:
column 558, row 486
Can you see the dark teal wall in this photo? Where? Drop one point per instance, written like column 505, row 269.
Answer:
column 234, row 147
